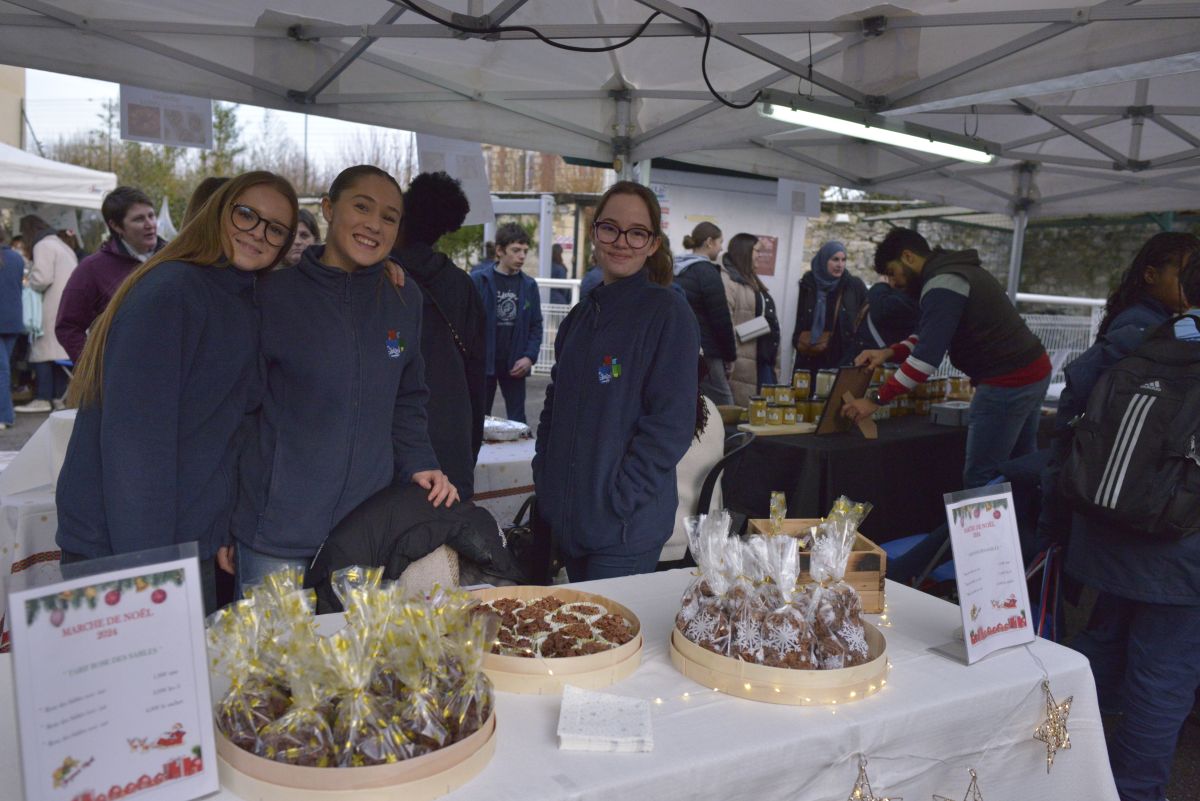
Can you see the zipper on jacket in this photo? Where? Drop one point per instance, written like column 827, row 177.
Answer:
column 578, row 397
column 356, row 393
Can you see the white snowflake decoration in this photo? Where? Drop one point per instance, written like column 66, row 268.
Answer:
column 748, row 638
column 702, row 627
column 784, row 637
column 855, row 637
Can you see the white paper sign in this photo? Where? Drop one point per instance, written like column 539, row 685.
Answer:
column 991, row 575
column 464, row 161
column 112, row 685
column 797, row 198
column 162, row 118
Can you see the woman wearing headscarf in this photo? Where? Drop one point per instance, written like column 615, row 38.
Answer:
column 830, row 301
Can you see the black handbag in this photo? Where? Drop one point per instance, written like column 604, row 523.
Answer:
column 529, row 541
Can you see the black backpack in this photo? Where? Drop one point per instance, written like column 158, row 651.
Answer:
column 1134, row 463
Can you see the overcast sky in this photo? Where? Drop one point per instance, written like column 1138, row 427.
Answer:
column 60, row 105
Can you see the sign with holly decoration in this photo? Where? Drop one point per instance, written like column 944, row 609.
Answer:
column 992, row 593
column 112, row 687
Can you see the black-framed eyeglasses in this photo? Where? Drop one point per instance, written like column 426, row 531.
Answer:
column 247, row 219
column 637, row 238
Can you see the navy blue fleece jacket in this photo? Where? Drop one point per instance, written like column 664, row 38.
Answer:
column 154, row 463
column 343, row 413
column 620, row 413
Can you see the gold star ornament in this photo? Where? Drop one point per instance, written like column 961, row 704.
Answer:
column 1053, row 731
column 973, row 793
column 862, row 786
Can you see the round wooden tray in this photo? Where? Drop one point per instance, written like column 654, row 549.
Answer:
column 421, row 778
column 782, row 685
column 540, row 676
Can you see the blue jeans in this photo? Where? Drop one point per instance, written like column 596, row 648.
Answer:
column 1003, row 425
column 7, row 343
column 766, row 375
column 51, row 380
column 1142, row 656
column 513, row 390
column 253, row 566
column 715, row 386
column 592, row 566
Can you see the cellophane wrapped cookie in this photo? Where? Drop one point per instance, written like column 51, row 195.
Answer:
column 702, row 617
column 835, row 608
column 366, row 726
column 787, row 633
column 747, row 612
column 468, row 697
column 302, row 736
column 256, row 695
column 420, row 664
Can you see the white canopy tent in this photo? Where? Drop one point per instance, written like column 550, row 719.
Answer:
column 1092, row 108
column 33, row 179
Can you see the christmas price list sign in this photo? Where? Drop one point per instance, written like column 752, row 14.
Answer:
column 992, row 593
column 113, row 699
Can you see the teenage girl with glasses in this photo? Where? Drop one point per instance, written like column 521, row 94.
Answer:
column 168, row 374
column 620, row 410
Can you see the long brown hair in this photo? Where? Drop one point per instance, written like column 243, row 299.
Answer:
column 658, row 263
column 740, row 255
column 202, row 243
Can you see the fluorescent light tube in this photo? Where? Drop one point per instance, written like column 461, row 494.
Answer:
column 873, row 128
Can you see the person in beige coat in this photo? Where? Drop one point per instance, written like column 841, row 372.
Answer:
column 757, row 359
column 52, row 264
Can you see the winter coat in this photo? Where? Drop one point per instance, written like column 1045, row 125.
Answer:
column 454, row 377
column 892, row 317
column 1140, row 569
column 527, row 330
column 53, row 263
column 701, row 282
column 854, row 294
column 89, row 290
column 619, row 414
column 746, row 303
column 12, row 273
column 343, row 410
column 154, row 463
column 397, row 526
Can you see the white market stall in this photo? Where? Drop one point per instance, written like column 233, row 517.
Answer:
column 29, row 178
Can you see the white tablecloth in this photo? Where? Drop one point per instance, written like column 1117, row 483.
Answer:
column 935, row 719
column 504, row 477
column 28, row 522
column 38, row 463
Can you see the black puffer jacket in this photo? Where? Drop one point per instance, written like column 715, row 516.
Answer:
column 700, row 281
column 397, row 526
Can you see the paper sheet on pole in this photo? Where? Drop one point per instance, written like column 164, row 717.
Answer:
column 164, row 118
column 464, row 161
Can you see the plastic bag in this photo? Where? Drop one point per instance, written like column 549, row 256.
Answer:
column 787, row 635
column 255, row 697
column 835, row 607
column 702, row 617
column 468, row 698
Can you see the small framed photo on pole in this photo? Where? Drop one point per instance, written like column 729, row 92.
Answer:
column 111, row 680
column 992, row 593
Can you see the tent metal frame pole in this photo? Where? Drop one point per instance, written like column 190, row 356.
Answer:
column 346, row 59
column 1119, row 161
column 1024, row 200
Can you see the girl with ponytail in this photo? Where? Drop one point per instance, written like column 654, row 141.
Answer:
column 620, row 411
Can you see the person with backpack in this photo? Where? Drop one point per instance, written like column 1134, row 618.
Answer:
column 698, row 275
column 1126, row 466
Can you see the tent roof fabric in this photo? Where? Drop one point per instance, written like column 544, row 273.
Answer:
column 24, row 176
column 1098, row 103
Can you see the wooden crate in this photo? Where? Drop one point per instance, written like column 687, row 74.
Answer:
column 865, row 571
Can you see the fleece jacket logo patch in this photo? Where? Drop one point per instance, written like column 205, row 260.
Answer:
column 610, row 368
column 395, row 345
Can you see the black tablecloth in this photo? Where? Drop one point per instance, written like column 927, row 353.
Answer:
column 904, row 474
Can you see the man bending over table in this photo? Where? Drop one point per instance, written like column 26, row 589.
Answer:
column 963, row 309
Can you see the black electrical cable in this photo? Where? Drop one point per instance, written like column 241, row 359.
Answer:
column 704, row 67
column 527, row 29
column 500, row 29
